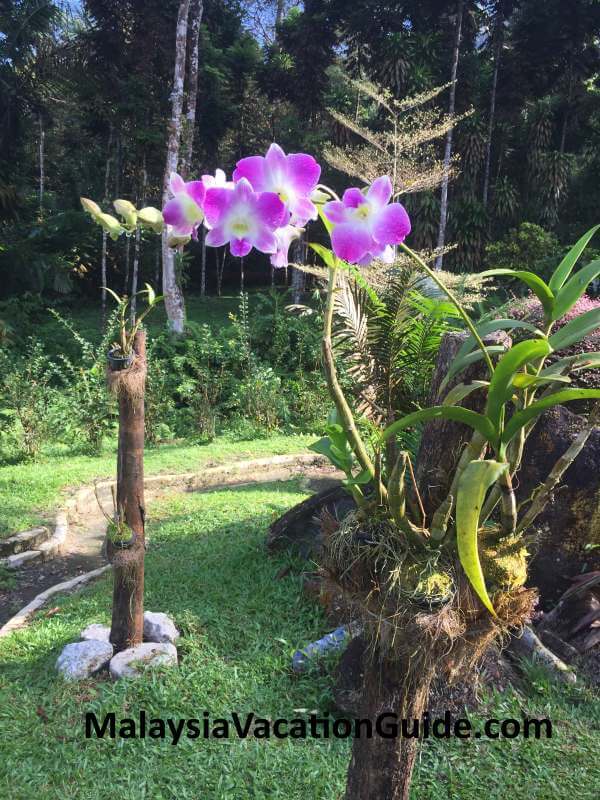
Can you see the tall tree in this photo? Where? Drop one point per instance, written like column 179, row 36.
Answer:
column 448, row 147
column 174, row 302
column 196, row 11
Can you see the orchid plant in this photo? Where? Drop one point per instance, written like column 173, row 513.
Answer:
column 267, row 205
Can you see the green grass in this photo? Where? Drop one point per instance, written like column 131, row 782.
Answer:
column 29, row 492
column 206, row 566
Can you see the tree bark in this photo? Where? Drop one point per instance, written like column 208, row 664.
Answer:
column 128, row 562
column 498, row 32
column 220, row 267
column 203, row 263
column 174, row 301
column 192, row 90
column 41, row 153
column 448, row 148
column 137, row 247
column 382, row 767
column 104, row 234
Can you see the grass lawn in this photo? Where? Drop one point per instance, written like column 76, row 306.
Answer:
column 29, row 492
column 206, row 565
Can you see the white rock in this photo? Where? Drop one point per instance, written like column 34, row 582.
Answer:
column 159, row 627
column 130, row 663
column 82, row 659
column 95, row 632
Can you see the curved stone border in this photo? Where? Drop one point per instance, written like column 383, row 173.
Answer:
column 83, row 498
column 21, row 617
column 230, row 474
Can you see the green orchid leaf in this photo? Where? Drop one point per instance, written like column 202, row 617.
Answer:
column 577, row 362
column 474, row 420
column 472, row 487
column 486, row 328
column 541, row 289
column 462, row 390
column 324, row 253
column 521, row 418
column 458, row 364
column 523, row 381
column 511, row 362
column 564, row 269
column 576, row 329
column 574, row 288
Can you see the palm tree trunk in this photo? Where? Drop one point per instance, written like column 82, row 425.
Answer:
column 174, row 301
column 448, row 148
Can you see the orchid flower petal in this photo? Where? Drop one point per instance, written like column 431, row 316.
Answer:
column 353, row 198
column 336, row 212
column 350, row 242
column 380, row 191
column 391, row 225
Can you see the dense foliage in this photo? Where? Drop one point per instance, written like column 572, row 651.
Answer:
column 84, row 95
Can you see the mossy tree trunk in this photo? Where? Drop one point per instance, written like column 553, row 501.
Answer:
column 128, row 561
column 382, row 767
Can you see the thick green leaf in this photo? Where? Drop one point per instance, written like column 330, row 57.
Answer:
column 521, row 418
column 472, row 487
column 574, row 288
column 471, row 418
column 523, row 381
column 324, row 253
column 458, row 364
column 579, row 361
column 576, row 329
column 536, row 284
column 495, row 325
column 564, row 269
column 338, row 457
column 511, row 362
column 462, row 390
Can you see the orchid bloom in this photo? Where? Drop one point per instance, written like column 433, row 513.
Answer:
column 365, row 226
column 184, row 211
column 285, row 236
column 243, row 218
column 219, row 179
column 293, row 177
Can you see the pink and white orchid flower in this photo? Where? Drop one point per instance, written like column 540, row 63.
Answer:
column 184, row 211
column 219, row 179
column 243, row 218
column 293, row 177
column 285, row 236
column 365, row 226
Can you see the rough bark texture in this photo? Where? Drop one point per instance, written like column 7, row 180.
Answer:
column 448, row 147
column 128, row 562
column 442, row 441
column 571, row 520
column 382, row 767
column 174, row 302
column 196, row 11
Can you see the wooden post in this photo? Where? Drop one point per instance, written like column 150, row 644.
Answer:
column 128, row 561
